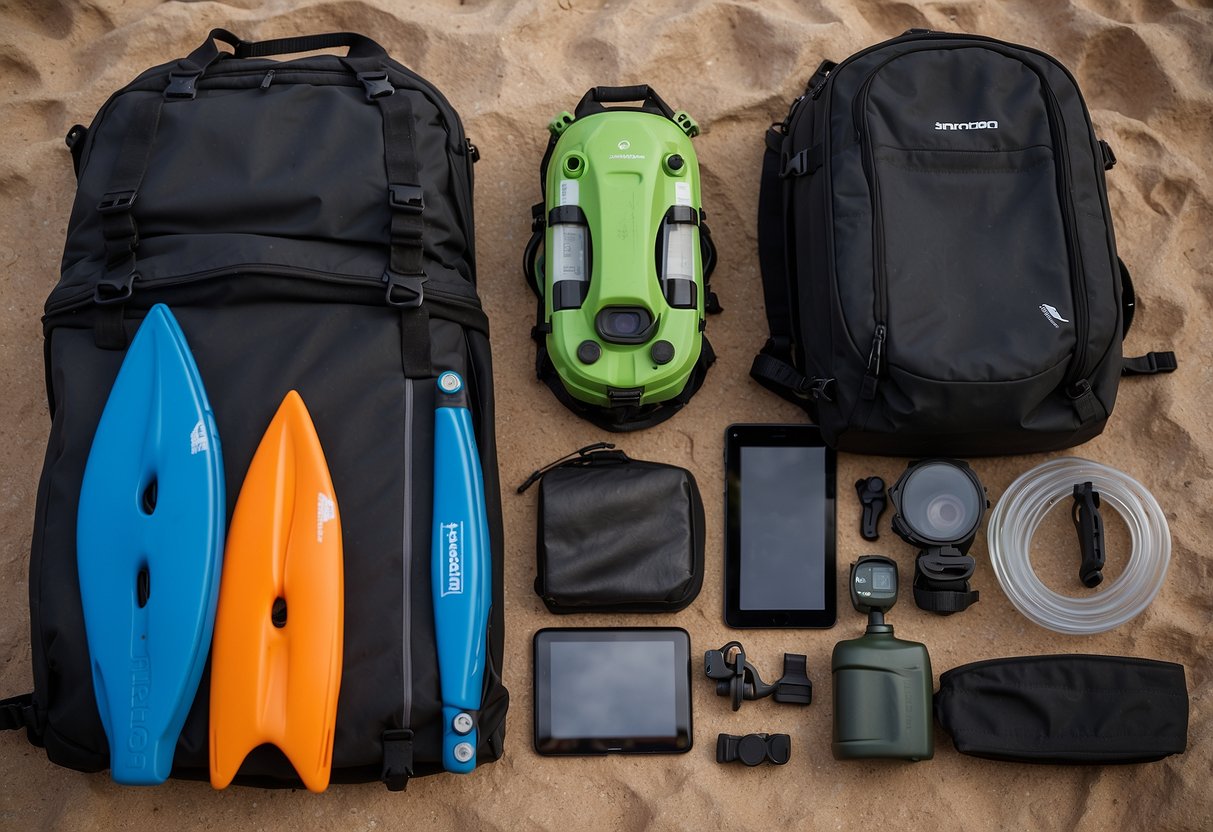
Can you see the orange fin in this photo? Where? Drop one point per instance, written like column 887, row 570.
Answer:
column 276, row 657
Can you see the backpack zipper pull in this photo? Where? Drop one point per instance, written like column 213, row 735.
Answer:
column 875, row 363
column 581, row 452
column 267, row 80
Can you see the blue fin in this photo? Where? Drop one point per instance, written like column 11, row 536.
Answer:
column 149, row 548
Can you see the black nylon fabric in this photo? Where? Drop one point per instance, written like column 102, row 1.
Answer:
column 950, row 268
column 270, row 248
column 1066, row 709
column 619, row 535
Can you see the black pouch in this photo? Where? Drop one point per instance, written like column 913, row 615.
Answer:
column 1066, row 709
column 617, row 534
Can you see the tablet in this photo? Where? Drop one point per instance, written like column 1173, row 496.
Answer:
column 779, row 527
column 607, row 690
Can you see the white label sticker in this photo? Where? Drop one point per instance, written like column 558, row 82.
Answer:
column 570, row 193
column 199, row 443
column 326, row 510
column 682, row 193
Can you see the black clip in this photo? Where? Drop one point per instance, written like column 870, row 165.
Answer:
column 376, row 84
column 409, row 199
column 114, row 290
column 411, row 290
column 754, row 749
column 737, row 679
column 182, row 85
column 872, row 499
column 1089, row 523
column 117, row 201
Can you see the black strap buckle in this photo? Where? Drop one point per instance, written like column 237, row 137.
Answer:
column 397, row 758
column 407, row 198
column 629, row 397
column 376, row 84
column 111, row 291
column 182, row 85
column 1089, row 523
column 116, row 202
column 404, row 291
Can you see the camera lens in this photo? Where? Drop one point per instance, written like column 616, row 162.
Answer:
column 939, row 502
column 624, row 325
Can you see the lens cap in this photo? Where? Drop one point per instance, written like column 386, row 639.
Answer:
column 938, row 502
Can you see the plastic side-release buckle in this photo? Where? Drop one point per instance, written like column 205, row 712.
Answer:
column 407, row 198
column 404, row 291
column 114, row 290
column 182, row 85
column 376, row 84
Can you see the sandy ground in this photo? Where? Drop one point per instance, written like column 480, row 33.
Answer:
column 1146, row 70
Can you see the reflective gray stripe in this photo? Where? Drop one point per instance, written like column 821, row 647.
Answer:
column 406, row 627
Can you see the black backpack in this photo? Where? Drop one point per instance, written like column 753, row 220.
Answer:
column 255, row 199
column 938, row 261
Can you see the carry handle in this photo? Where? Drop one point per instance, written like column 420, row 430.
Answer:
column 593, row 100
column 360, row 46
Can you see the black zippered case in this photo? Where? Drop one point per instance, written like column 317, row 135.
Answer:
column 939, row 266
column 309, row 223
column 617, row 534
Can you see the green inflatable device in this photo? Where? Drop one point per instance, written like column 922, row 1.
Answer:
column 622, row 279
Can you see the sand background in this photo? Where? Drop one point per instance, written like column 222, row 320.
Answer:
column 1146, row 68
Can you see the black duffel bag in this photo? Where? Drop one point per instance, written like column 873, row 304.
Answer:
column 938, row 261
column 309, row 223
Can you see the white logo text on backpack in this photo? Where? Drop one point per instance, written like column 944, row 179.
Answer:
column 966, row 125
column 1052, row 315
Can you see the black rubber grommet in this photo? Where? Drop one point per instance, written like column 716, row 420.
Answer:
column 662, row 352
column 588, row 352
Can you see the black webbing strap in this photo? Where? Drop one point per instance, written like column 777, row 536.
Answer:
column 1150, row 364
column 116, row 207
column 17, row 712
column 773, row 368
column 405, row 273
column 397, row 758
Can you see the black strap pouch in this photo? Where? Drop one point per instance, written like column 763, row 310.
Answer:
column 617, row 534
column 1066, row 709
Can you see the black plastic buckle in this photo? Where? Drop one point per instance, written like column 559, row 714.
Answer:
column 397, row 758
column 1109, row 158
column 794, row 164
column 108, row 292
column 412, row 288
column 871, row 491
column 822, row 389
column 182, row 85
column 376, row 84
column 472, row 151
column 116, row 202
column 944, row 564
column 407, row 198
column 629, row 397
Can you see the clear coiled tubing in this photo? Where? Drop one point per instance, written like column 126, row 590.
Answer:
column 1019, row 513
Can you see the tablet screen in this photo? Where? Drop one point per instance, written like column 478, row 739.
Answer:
column 779, row 527
column 606, row 690
column 783, row 536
